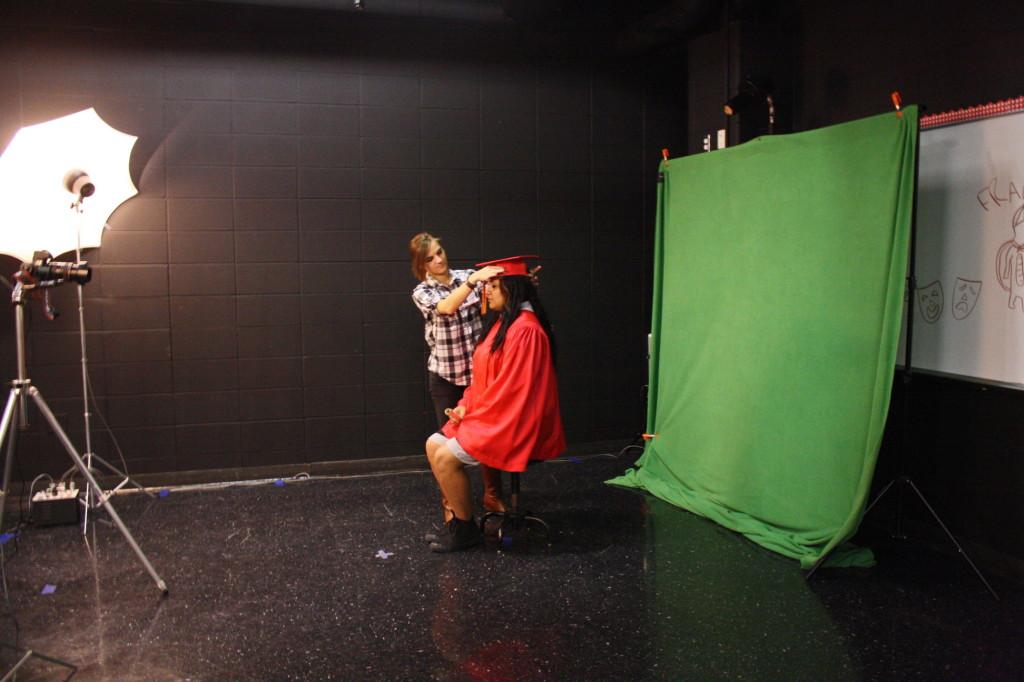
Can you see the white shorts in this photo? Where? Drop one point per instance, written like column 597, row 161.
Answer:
column 453, row 445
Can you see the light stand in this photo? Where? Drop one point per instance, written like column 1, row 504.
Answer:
column 22, row 387
column 79, row 183
column 903, row 480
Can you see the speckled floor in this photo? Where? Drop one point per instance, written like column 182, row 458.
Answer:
column 329, row 580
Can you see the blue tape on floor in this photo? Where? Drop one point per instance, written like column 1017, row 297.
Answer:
column 165, row 492
column 279, row 483
column 49, row 589
column 6, row 537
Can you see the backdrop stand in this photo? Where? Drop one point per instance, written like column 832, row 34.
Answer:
column 903, row 481
column 639, row 441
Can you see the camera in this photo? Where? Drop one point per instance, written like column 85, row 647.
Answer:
column 44, row 269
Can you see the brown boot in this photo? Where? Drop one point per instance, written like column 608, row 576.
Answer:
column 492, row 489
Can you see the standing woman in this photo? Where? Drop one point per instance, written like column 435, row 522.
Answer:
column 450, row 303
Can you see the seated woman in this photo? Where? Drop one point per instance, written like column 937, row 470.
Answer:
column 509, row 415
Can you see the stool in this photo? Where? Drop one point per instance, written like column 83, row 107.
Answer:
column 514, row 519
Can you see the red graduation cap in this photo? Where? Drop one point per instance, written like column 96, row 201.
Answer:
column 514, row 265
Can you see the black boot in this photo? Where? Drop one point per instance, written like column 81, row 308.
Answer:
column 449, row 514
column 457, row 535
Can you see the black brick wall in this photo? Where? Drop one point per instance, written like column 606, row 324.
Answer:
column 251, row 305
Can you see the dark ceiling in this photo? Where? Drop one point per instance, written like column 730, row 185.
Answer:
column 635, row 26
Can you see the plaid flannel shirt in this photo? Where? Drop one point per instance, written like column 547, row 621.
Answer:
column 451, row 338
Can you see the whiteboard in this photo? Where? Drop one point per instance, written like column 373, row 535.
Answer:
column 969, row 300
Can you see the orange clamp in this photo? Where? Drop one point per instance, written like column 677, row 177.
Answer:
column 897, row 101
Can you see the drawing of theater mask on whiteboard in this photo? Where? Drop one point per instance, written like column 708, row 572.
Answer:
column 965, row 296
column 930, row 301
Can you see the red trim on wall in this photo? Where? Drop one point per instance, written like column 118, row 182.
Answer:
column 980, row 111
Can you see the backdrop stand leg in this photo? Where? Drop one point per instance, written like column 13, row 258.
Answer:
column 901, row 482
column 907, row 481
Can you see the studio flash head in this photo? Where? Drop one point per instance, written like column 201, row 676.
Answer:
column 44, row 269
column 78, row 182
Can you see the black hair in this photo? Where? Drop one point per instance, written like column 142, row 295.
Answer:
column 518, row 289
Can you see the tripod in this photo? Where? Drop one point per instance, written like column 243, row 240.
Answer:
column 21, row 389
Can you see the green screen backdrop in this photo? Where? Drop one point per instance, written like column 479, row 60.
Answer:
column 778, row 294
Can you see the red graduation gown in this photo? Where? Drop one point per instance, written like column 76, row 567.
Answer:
column 512, row 412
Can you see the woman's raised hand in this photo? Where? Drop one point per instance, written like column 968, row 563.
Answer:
column 485, row 273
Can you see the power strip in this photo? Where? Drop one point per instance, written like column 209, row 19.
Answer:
column 58, row 504
column 59, row 491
